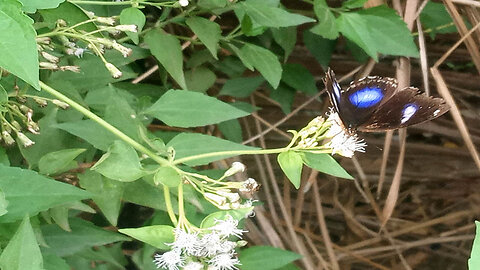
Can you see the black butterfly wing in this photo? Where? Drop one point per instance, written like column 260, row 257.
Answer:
column 405, row 108
column 361, row 99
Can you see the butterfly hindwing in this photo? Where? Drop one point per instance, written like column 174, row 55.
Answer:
column 407, row 107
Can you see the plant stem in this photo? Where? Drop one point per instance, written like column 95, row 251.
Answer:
column 225, row 153
column 168, row 203
column 105, row 124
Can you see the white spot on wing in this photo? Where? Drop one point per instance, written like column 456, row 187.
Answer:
column 336, row 89
column 435, row 113
column 408, row 111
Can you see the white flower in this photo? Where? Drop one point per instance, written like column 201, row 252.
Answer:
column 187, row 242
column 24, row 139
column 249, row 185
column 211, row 244
column 232, row 197
column 193, row 266
column 227, row 227
column 345, row 145
column 170, row 260
column 336, row 125
column 106, row 20
column 183, row 3
column 236, row 167
column 78, row 52
column 224, row 261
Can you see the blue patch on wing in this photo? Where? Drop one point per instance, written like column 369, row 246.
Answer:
column 366, row 97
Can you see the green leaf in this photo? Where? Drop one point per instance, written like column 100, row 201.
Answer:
column 166, row 48
column 265, row 62
column 90, row 131
column 3, row 97
column 284, row 95
column 355, row 27
column 241, row 87
column 232, row 130
column 107, row 193
column 321, row 48
column 243, row 58
column 325, row 163
column 212, row 4
column 351, row 4
column 367, row 27
column 60, row 215
column 236, row 214
column 27, row 192
column 326, row 26
column 434, row 17
column 208, row 32
column 68, row 12
column 270, row 16
column 157, row 235
column 298, row 77
column 83, row 235
column 200, row 79
column 291, row 164
column 54, row 262
column 120, row 163
column 4, row 157
column 22, row 251
column 268, row 257
column 167, row 176
column 59, row 161
column 474, row 261
column 133, row 16
column 31, row 6
column 191, row 144
column 17, row 43
column 286, row 37
column 190, row 109
column 142, row 193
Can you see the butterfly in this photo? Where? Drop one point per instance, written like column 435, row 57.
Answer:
column 374, row 103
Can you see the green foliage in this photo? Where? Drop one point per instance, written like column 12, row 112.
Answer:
column 157, row 236
column 269, row 258
column 22, row 251
column 326, row 164
column 188, row 109
column 59, row 161
column 436, row 19
column 291, row 163
column 474, row 261
column 133, row 16
column 18, row 46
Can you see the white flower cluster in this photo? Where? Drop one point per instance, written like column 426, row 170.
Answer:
column 341, row 142
column 192, row 251
column 309, row 134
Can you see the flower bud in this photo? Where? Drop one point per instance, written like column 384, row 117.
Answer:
column 116, row 73
column 61, row 23
column 183, row 3
column 126, row 52
column 24, row 139
column 235, row 168
column 75, row 69
column 43, row 40
column 40, row 101
column 7, row 138
column 232, row 197
column 50, row 58
column 127, row 28
column 60, row 104
column 48, row 65
column 16, row 125
column 33, row 127
column 106, row 20
column 215, row 199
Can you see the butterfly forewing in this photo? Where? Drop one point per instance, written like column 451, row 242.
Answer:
column 407, row 107
column 356, row 104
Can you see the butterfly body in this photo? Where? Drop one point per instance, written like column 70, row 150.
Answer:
column 374, row 104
